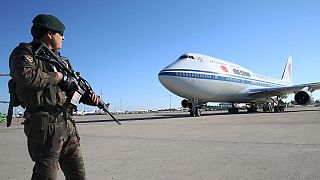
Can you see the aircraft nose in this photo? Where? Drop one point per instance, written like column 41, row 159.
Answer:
column 175, row 84
column 163, row 77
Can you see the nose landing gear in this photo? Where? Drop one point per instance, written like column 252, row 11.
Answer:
column 195, row 112
column 194, row 106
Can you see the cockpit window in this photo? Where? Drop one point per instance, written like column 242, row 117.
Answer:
column 186, row 56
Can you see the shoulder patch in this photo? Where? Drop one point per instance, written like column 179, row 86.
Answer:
column 29, row 58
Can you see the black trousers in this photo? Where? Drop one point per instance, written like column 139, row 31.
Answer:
column 53, row 141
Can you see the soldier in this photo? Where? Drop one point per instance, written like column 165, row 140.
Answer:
column 51, row 132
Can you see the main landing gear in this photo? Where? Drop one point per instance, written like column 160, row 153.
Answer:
column 277, row 106
column 233, row 109
column 267, row 107
column 251, row 108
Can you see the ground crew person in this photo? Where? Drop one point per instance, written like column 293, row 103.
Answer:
column 51, row 133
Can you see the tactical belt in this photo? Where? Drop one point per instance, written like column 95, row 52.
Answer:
column 51, row 111
column 55, row 114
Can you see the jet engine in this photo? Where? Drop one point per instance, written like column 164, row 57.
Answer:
column 303, row 97
column 185, row 103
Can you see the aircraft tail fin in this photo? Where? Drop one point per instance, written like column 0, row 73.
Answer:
column 287, row 72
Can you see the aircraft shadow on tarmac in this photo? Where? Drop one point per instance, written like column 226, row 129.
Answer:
column 157, row 117
column 186, row 115
column 260, row 112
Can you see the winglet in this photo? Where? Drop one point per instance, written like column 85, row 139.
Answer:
column 287, row 72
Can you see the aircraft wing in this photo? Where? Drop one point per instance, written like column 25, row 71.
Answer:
column 265, row 92
column 4, row 102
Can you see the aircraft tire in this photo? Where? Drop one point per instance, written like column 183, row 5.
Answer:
column 265, row 109
column 191, row 113
column 233, row 110
column 198, row 112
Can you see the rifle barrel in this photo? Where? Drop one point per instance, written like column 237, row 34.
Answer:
column 4, row 74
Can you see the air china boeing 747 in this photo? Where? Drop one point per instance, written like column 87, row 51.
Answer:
column 202, row 79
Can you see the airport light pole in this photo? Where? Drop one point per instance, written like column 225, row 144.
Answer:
column 100, row 111
column 170, row 102
column 121, row 105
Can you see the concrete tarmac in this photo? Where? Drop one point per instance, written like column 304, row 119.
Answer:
column 217, row 145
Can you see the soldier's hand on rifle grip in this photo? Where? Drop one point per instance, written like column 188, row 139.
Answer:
column 68, row 83
column 58, row 77
column 94, row 98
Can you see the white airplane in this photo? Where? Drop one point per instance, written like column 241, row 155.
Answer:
column 201, row 79
column 82, row 113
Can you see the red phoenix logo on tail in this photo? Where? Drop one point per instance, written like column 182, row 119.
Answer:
column 289, row 70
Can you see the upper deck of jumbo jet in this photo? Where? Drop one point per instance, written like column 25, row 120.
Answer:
column 194, row 61
column 206, row 64
column 199, row 62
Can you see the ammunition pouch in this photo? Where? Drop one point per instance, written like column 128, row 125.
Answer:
column 36, row 128
column 40, row 126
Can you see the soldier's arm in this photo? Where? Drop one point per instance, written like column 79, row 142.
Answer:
column 26, row 72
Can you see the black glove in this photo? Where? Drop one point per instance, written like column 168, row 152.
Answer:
column 68, row 83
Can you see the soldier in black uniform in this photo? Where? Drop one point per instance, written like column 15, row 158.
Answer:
column 51, row 132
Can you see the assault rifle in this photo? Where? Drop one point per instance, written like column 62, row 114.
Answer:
column 46, row 54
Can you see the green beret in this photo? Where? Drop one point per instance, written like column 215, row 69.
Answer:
column 48, row 22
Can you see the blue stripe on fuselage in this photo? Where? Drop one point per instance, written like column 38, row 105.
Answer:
column 216, row 76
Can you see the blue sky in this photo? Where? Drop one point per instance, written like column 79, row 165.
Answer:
column 120, row 46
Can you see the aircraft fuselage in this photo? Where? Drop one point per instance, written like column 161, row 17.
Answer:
column 195, row 76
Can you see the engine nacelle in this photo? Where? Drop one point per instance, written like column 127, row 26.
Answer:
column 303, row 97
column 185, row 103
